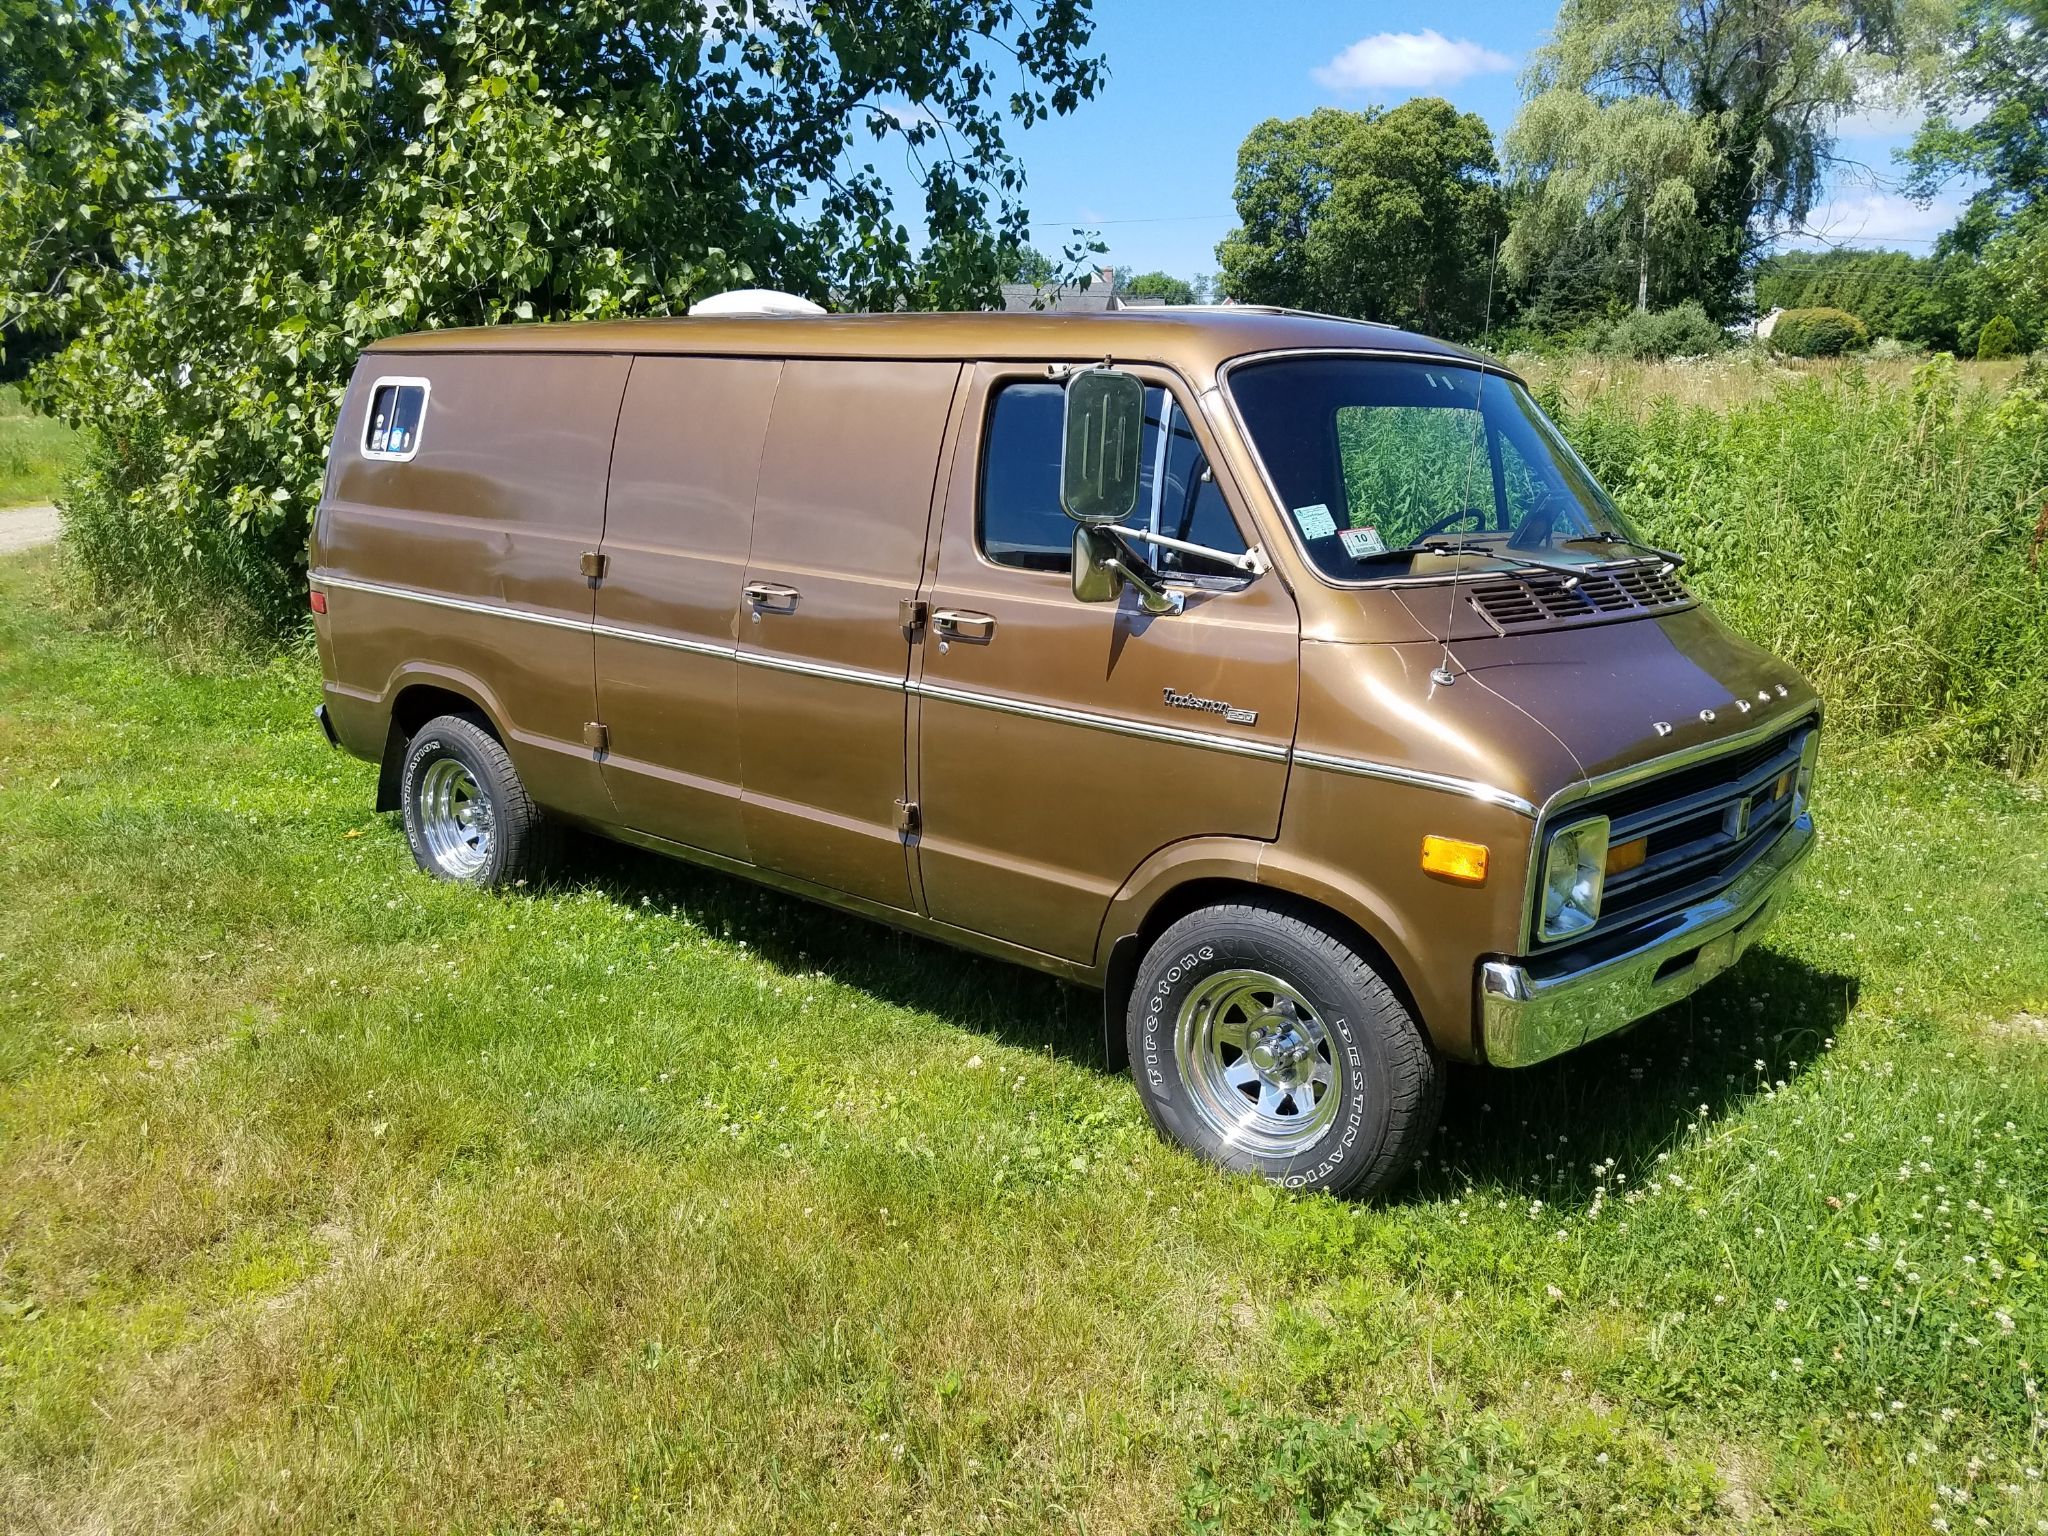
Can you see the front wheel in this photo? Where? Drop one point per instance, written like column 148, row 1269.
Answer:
column 1269, row 1045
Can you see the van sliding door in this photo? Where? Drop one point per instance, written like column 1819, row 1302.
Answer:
column 677, row 522
column 840, row 517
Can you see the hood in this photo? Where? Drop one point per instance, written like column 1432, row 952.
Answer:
column 1616, row 694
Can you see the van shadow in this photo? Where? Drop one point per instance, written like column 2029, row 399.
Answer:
column 1007, row 1003
column 1529, row 1133
column 1539, row 1132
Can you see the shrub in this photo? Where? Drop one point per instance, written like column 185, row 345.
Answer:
column 1876, row 534
column 1999, row 340
column 1892, row 347
column 1680, row 331
column 1818, row 333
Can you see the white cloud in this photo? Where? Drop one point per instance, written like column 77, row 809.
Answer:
column 1875, row 218
column 1408, row 61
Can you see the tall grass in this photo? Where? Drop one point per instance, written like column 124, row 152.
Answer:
column 1885, row 534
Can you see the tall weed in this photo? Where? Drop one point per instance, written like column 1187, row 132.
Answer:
column 1886, row 538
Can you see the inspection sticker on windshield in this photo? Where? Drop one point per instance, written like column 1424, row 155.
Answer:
column 1315, row 520
column 1361, row 542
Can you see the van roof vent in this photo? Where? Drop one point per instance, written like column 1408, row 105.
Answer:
column 755, row 301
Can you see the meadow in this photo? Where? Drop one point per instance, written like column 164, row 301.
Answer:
column 36, row 453
column 334, row 1197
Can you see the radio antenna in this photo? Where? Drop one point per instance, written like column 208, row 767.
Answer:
column 1443, row 676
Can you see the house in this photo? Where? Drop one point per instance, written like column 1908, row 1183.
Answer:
column 1067, row 299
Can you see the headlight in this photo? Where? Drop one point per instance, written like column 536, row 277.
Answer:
column 1574, row 870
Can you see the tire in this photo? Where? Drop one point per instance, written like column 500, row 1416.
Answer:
column 467, row 816
column 1344, row 1091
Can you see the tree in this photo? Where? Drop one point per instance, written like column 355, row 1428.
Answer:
column 1159, row 285
column 281, row 183
column 1893, row 293
column 1762, row 83
column 1989, row 97
column 1632, row 169
column 1392, row 216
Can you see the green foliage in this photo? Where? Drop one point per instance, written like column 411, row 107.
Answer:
column 1390, row 216
column 1999, row 340
column 1892, row 293
column 1818, row 333
column 1883, row 539
column 224, row 203
column 1711, row 122
column 1680, row 331
column 36, row 453
column 1162, row 285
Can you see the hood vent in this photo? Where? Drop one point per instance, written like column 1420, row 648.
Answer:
column 1544, row 599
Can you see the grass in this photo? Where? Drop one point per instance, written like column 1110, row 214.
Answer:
column 331, row 1196
column 36, row 453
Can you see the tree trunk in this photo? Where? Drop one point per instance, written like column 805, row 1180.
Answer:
column 1643, row 268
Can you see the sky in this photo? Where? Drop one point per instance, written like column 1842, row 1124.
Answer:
column 1149, row 162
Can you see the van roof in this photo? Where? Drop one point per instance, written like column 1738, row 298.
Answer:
column 1197, row 337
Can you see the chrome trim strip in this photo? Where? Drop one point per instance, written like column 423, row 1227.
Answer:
column 1472, row 789
column 1115, row 724
column 668, row 642
column 824, row 669
column 460, row 604
column 1684, row 757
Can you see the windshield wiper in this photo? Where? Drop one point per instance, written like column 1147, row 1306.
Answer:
column 1442, row 546
column 1604, row 536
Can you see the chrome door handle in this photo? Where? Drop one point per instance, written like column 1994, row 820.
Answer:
column 769, row 594
column 962, row 624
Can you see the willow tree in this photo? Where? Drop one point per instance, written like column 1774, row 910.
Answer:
column 223, row 201
column 1732, row 102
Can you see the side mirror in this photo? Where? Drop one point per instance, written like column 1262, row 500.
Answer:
column 1095, row 580
column 1099, row 457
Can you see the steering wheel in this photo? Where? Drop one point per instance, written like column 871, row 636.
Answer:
column 1445, row 523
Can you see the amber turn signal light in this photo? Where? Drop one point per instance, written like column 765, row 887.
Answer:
column 1451, row 858
column 1623, row 857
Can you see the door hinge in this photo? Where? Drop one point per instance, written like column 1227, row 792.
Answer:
column 911, row 612
column 908, row 821
column 592, row 564
column 597, row 737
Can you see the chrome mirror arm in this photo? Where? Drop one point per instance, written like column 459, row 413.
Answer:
column 1252, row 561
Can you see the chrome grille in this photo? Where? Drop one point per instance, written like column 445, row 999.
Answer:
column 1536, row 599
column 1703, row 825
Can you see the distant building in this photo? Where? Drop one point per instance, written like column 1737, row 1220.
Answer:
column 1067, row 299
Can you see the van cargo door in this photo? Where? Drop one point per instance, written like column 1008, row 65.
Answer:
column 677, row 524
column 840, row 518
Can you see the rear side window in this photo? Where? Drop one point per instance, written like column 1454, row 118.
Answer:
column 1021, row 520
column 398, row 410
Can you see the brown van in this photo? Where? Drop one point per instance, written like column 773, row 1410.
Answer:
column 1288, row 678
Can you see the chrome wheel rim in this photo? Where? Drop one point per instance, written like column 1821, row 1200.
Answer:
column 455, row 818
column 1260, row 1067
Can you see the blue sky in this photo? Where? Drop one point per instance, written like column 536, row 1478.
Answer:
column 1150, row 161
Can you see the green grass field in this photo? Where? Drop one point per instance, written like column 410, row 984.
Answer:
column 331, row 1197
column 36, row 453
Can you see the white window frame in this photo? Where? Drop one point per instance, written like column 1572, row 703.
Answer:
column 395, row 380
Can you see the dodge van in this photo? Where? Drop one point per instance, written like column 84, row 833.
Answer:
column 1287, row 678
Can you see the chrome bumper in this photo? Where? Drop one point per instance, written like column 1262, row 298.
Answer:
column 1532, row 1010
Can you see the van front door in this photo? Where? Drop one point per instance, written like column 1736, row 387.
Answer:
column 841, row 516
column 1062, row 743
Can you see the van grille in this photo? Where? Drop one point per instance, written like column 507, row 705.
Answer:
column 1704, row 824
column 1538, row 599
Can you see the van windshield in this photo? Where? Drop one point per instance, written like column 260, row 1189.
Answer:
column 1397, row 468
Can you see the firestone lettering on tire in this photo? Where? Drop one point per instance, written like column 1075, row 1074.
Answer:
column 1155, row 1010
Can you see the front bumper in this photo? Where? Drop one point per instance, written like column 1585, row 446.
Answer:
column 1532, row 1010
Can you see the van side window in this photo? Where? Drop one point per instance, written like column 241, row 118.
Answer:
column 391, row 428
column 1020, row 521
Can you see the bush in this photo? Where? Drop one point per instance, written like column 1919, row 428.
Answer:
column 1999, row 340
column 1888, row 347
column 1818, row 333
column 1875, row 534
column 1680, row 331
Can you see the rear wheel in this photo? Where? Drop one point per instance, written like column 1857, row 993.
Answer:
column 467, row 816
column 1267, row 1044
